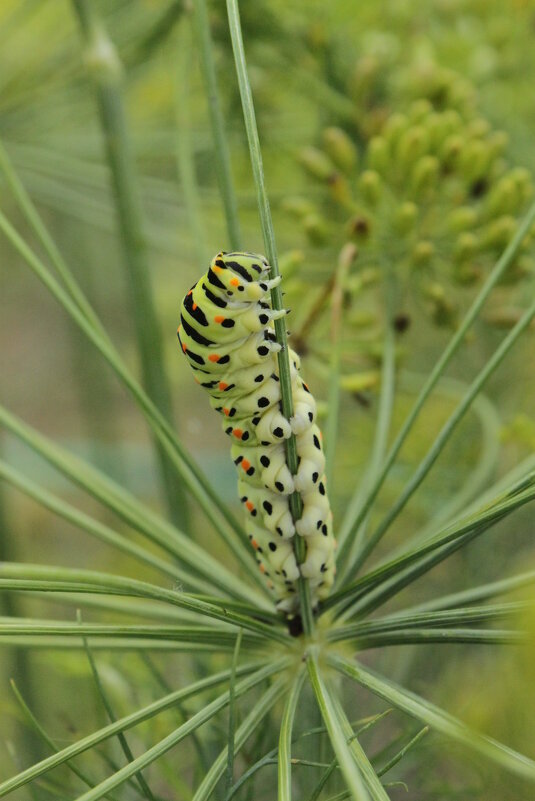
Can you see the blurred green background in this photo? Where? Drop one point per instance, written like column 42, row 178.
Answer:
column 312, row 65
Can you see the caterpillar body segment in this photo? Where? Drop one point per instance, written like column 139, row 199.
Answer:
column 226, row 332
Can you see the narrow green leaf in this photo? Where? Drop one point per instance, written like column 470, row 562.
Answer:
column 401, row 753
column 285, row 740
column 124, row 723
column 435, row 717
column 232, row 713
column 337, row 734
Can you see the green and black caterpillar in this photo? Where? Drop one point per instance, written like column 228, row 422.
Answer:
column 226, row 331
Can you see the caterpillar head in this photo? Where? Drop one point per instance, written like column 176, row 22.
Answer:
column 240, row 277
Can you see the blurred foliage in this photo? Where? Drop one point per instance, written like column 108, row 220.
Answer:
column 402, row 126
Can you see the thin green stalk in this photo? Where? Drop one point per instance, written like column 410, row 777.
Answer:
column 401, row 753
column 434, row 452
column 179, row 734
column 296, row 506
column 436, row 718
column 352, row 522
column 396, row 573
column 439, row 619
column 442, row 637
column 200, row 488
column 127, row 751
column 345, row 259
column 346, row 560
column 105, row 68
column 336, row 730
column 475, row 594
column 135, row 513
column 124, row 723
column 244, row 731
column 221, row 149
column 99, row 530
column 285, row 740
column 40, row 577
column 232, row 714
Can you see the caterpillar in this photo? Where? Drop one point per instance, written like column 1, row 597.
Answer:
column 226, row 332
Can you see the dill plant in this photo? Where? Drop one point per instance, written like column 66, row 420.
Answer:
column 297, row 713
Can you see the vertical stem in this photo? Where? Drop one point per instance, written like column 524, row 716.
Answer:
column 296, row 506
column 222, row 155
column 105, row 68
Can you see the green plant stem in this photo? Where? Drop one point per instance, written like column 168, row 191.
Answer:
column 296, row 506
column 446, row 432
column 285, row 740
column 127, row 751
column 438, row 636
column 48, row 740
column 336, row 730
column 243, row 732
column 436, row 718
column 40, row 577
column 97, row 529
column 222, row 153
column 133, row 719
column 401, row 753
column 232, row 714
column 352, row 522
column 105, row 68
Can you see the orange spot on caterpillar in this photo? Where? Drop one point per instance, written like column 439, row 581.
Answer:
column 217, row 269
column 254, row 544
column 189, row 293
column 226, row 411
column 222, row 386
column 218, row 318
column 234, row 282
column 249, row 505
column 262, row 568
column 194, row 306
column 245, row 465
column 238, row 433
column 214, row 357
column 271, row 585
column 184, row 348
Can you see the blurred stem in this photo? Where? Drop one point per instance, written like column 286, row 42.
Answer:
column 105, row 70
column 345, row 260
column 296, row 506
column 222, row 154
column 184, row 152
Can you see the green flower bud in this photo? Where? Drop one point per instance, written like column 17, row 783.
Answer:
column 364, row 75
column 502, row 198
column 466, row 273
column 419, row 110
column 499, row 233
column 425, row 173
column 442, row 309
column 503, row 318
column 474, row 160
column 362, row 318
column 359, row 227
column 405, row 217
column 340, row 191
column 451, row 150
column 413, row 144
column 369, row 185
column 478, row 128
column 422, row 253
column 340, row 148
column 394, row 128
column 316, row 163
column 315, row 229
column 378, row 155
column 358, row 382
column 297, row 206
column 461, row 219
column 466, row 246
